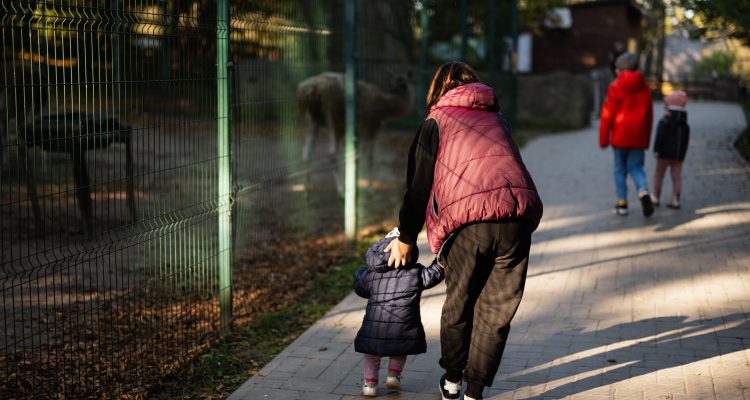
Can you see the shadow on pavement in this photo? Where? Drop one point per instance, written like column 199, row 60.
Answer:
column 651, row 345
column 696, row 243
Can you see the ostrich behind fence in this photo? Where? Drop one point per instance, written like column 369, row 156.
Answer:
column 23, row 94
column 321, row 99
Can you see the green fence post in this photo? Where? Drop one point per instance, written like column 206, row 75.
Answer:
column 350, row 146
column 224, row 163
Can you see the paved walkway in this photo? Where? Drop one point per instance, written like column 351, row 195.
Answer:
column 615, row 307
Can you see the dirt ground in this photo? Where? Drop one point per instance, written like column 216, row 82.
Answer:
column 85, row 315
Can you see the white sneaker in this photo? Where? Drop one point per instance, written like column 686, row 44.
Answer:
column 370, row 389
column 449, row 390
column 621, row 208
column 393, row 382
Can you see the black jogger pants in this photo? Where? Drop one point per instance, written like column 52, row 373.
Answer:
column 485, row 272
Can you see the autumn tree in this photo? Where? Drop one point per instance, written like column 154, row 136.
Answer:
column 715, row 19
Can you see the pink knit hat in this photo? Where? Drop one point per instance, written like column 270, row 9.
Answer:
column 677, row 99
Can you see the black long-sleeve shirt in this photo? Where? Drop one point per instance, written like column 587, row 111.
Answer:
column 419, row 176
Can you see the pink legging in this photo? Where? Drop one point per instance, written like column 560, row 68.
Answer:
column 371, row 366
column 675, row 168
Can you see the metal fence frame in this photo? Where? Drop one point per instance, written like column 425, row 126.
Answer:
column 93, row 313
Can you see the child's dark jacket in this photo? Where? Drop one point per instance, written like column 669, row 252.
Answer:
column 672, row 136
column 392, row 325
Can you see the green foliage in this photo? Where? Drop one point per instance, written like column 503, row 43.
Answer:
column 445, row 25
column 717, row 65
column 719, row 18
column 533, row 12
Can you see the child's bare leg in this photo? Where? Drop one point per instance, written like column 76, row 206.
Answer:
column 676, row 172
column 661, row 168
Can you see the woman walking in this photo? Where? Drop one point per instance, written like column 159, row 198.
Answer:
column 467, row 182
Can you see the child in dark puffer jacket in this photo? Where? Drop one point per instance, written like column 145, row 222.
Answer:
column 670, row 146
column 392, row 325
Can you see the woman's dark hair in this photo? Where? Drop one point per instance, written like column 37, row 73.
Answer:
column 448, row 76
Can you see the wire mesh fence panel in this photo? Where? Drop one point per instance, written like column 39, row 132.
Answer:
column 108, row 194
column 112, row 156
column 288, row 111
column 275, row 45
column 387, row 108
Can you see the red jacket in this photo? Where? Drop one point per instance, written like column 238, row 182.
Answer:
column 627, row 113
column 479, row 173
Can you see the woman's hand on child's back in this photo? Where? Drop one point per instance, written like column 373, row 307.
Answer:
column 400, row 253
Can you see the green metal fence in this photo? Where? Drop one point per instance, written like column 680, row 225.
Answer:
column 168, row 168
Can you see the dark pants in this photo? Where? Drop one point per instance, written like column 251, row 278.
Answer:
column 485, row 272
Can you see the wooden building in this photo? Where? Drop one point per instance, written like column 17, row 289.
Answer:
column 583, row 36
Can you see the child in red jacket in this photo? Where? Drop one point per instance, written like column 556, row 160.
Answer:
column 626, row 118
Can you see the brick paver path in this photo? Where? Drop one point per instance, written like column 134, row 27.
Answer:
column 615, row 307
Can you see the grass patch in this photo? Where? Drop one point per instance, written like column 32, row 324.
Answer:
column 241, row 354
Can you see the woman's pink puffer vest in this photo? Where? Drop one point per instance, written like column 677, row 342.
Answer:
column 479, row 174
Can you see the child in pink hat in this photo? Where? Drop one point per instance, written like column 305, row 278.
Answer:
column 670, row 146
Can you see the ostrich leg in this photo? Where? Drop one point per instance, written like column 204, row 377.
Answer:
column 310, row 136
column 367, row 150
column 31, row 188
column 82, row 188
column 336, row 152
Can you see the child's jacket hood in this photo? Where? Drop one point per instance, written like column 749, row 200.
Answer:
column 631, row 81
column 627, row 113
column 376, row 260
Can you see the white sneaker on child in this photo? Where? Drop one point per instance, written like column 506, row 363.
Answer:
column 370, row 389
column 393, row 382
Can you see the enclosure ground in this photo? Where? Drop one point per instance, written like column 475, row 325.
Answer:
column 256, row 339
